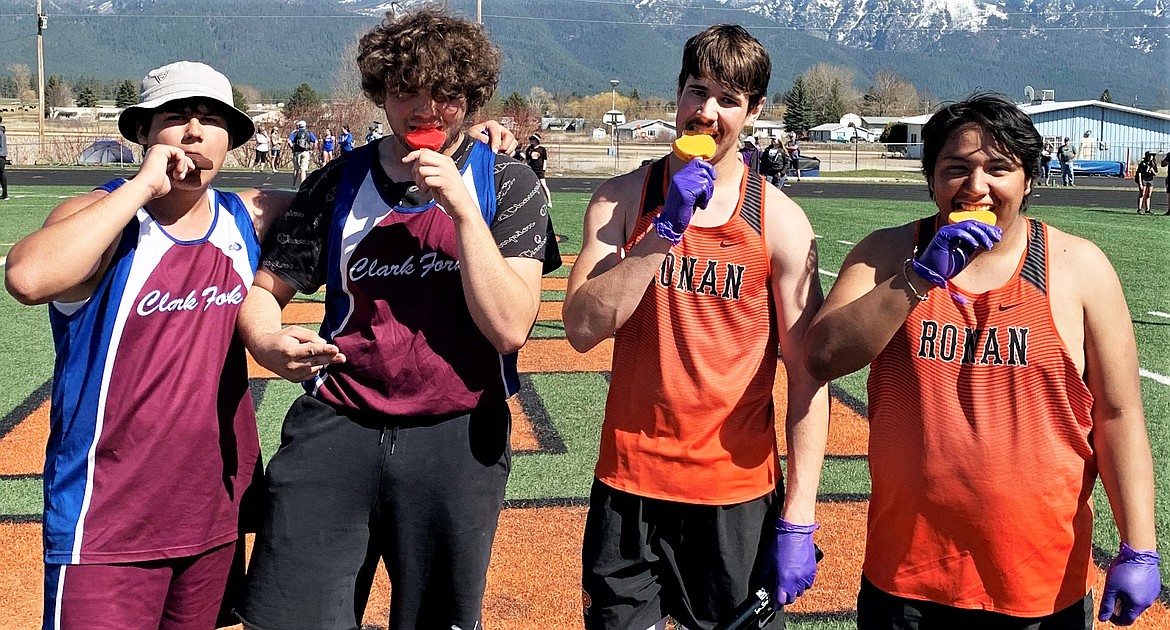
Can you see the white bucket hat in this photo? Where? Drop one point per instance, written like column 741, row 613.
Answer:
column 180, row 80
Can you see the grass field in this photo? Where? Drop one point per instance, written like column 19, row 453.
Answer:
column 534, row 578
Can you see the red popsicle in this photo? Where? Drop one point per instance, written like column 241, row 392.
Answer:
column 431, row 138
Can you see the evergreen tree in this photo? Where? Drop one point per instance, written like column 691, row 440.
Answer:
column 515, row 99
column 127, row 94
column 87, row 98
column 238, row 99
column 57, row 92
column 304, row 98
column 797, row 117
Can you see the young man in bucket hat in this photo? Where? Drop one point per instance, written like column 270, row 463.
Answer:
column 153, row 435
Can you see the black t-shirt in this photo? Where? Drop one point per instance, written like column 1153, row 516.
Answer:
column 295, row 248
column 535, row 156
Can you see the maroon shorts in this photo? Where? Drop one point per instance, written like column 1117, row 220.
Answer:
column 178, row 593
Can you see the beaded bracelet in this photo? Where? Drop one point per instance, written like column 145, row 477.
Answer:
column 922, row 297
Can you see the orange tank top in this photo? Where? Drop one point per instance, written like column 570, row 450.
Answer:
column 689, row 416
column 980, row 452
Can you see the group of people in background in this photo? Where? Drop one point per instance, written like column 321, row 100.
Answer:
column 994, row 349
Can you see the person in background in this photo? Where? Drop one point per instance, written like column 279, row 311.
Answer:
column 793, row 148
column 275, row 152
column 302, row 142
column 1066, row 154
column 154, row 442
column 263, row 160
column 750, row 154
column 327, row 146
column 3, row 161
column 345, row 140
column 1045, row 178
column 993, row 349
column 536, row 156
column 1166, row 164
column 774, row 163
column 1147, row 170
column 702, row 274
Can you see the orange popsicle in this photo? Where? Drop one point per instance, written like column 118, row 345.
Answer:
column 698, row 145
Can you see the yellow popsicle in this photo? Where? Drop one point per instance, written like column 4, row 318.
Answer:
column 982, row 216
column 694, row 146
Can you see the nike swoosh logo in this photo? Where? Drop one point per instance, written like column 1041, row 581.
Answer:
column 725, row 244
column 1004, row 307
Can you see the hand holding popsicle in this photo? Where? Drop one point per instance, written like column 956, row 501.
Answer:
column 952, row 248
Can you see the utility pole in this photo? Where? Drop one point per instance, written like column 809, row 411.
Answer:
column 479, row 11
column 42, row 21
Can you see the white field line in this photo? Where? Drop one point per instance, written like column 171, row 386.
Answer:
column 827, row 273
column 1159, row 314
column 847, row 242
column 3, row 259
column 1154, row 376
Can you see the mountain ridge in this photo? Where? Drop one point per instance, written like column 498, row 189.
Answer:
column 950, row 47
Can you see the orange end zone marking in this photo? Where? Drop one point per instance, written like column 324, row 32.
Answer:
column 554, row 284
column 848, row 430
column 556, row 355
column 523, row 435
column 22, row 451
column 550, row 312
column 22, row 579
column 303, row 313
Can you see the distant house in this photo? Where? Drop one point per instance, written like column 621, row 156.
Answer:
column 768, row 129
column 845, row 130
column 645, row 130
column 85, row 114
column 1098, row 130
column 568, row 125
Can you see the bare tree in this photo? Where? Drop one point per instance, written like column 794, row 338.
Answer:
column 890, row 95
column 20, row 77
column 830, row 92
column 540, row 100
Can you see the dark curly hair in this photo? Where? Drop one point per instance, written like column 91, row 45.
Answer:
column 996, row 114
column 429, row 49
column 729, row 55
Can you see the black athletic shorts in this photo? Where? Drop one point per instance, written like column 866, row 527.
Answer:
column 646, row 559
column 344, row 491
column 878, row 610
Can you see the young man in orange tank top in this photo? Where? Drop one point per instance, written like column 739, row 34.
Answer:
column 702, row 272
column 1040, row 373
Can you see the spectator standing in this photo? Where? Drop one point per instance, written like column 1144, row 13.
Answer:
column 774, row 163
column 3, row 161
column 992, row 350
column 327, row 146
column 263, row 159
column 1166, row 164
column 1046, row 165
column 401, row 451
column 154, row 441
column 1147, row 170
column 701, row 273
column 750, row 154
column 536, row 156
column 793, row 148
column 1065, row 155
column 302, row 141
column 374, row 133
column 274, row 141
column 345, row 140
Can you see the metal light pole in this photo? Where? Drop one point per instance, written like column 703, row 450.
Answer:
column 853, row 127
column 41, row 23
column 479, row 11
column 613, row 83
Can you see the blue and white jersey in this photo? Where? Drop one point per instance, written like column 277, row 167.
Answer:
column 153, row 435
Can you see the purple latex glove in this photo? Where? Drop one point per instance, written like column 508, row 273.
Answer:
column 951, row 249
column 792, row 562
column 691, row 187
column 1131, row 585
